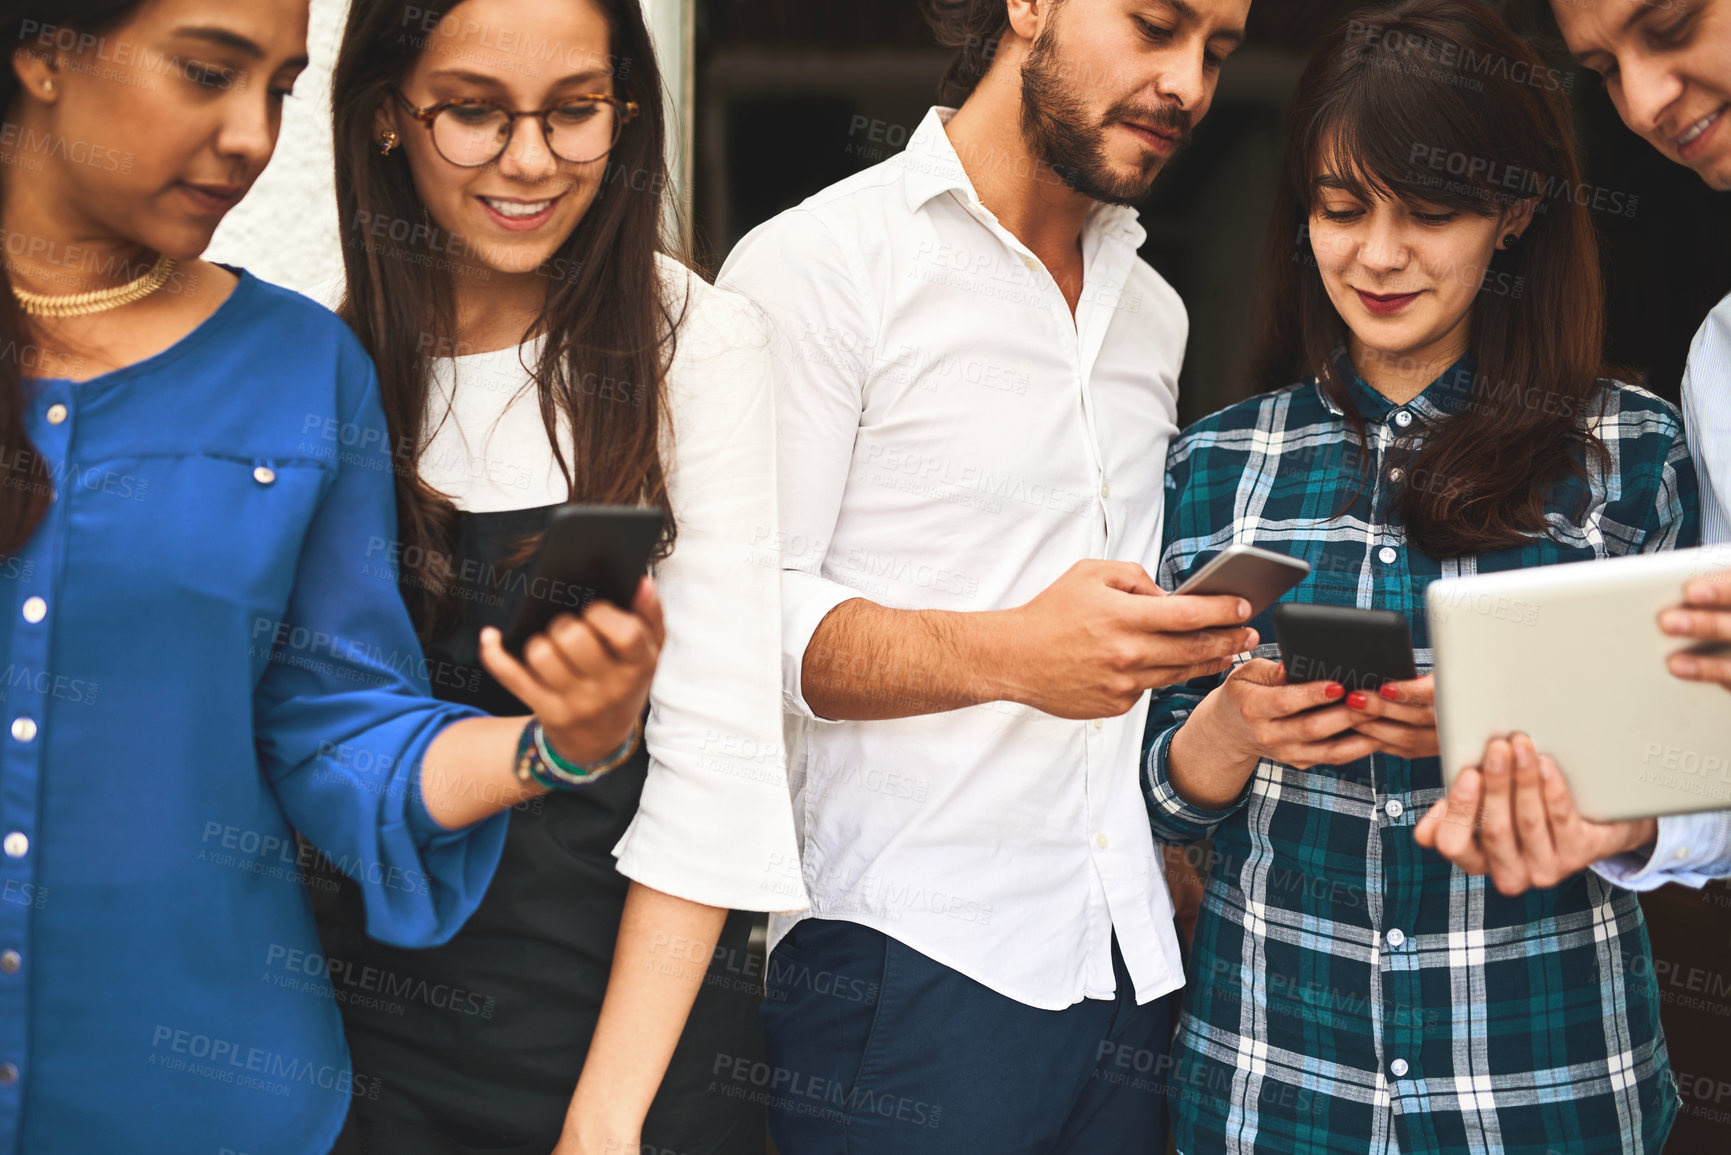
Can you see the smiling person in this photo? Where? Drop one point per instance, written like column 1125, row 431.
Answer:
column 976, row 368
column 1450, row 417
column 1667, row 68
column 195, row 481
column 537, row 346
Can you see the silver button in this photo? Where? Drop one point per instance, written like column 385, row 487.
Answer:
column 1100, row 841
column 1393, row 808
column 1388, row 555
column 1397, row 474
column 1396, row 939
column 16, row 844
column 24, row 729
column 1398, row 1067
column 1105, row 489
column 11, row 961
column 1402, row 418
column 56, row 414
column 264, row 475
column 35, row 609
column 8, row 1074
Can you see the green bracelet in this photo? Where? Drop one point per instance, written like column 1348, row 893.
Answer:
column 537, row 760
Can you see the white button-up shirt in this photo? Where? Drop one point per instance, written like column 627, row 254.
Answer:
column 952, row 438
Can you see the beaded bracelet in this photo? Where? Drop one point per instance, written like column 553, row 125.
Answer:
column 538, row 762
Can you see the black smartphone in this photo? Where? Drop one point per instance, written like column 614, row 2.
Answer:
column 1257, row 575
column 1360, row 649
column 589, row 552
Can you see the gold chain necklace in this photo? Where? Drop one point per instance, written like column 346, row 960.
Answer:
column 97, row 300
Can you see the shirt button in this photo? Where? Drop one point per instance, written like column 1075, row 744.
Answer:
column 1099, row 722
column 1388, row 555
column 11, row 961
column 1402, row 418
column 24, row 729
column 35, row 609
column 56, row 414
column 1393, row 808
column 1396, row 474
column 1398, row 1068
column 1105, row 489
column 1396, row 939
column 264, row 475
column 1100, row 841
column 1680, row 853
column 8, row 1074
column 16, row 844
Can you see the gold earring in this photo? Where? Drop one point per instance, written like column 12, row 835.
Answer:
column 48, row 88
column 388, row 143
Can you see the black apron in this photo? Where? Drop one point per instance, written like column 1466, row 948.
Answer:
column 476, row 1046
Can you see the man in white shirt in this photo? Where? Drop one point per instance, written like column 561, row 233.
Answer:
column 1667, row 68
column 980, row 382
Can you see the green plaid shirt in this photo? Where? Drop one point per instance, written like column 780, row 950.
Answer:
column 1350, row 991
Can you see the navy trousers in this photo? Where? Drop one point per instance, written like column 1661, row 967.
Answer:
column 874, row 1049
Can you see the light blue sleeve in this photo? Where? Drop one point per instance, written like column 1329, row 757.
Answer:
column 344, row 715
column 1707, row 415
column 1691, row 849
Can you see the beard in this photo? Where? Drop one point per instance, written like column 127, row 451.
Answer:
column 1061, row 133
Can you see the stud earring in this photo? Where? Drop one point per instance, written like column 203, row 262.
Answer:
column 1509, row 241
column 388, row 143
column 47, row 88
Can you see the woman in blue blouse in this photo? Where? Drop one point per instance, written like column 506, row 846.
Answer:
column 206, row 647
column 1434, row 291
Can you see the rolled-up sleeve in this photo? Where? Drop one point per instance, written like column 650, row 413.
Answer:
column 343, row 714
column 715, row 822
column 822, row 336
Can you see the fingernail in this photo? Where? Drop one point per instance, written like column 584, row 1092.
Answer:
column 1495, row 769
column 1547, row 770
column 1333, row 691
column 1243, row 610
column 1674, row 621
column 1388, row 691
column 1357, row 700
column 1685, row 665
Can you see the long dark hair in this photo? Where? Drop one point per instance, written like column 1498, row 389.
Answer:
column 605, row 316
column 26, row 489
column 974, row 29
column 1389, row 93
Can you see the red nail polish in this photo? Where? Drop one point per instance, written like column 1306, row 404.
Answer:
column 1388, row 691
column 1333, row 690
column 1357, row 700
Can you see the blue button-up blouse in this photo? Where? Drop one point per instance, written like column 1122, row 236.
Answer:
column 204, row 656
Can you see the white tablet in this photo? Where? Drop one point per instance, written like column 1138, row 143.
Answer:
column 1573, row 655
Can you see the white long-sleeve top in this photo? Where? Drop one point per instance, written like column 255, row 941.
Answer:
column 715, row 823
column 953, row 438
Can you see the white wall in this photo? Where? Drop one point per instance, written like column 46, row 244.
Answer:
column 286, row 229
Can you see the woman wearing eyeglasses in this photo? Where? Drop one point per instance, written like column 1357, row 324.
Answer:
column 500, row 165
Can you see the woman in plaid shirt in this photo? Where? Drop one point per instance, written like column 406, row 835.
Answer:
column 1433, row 287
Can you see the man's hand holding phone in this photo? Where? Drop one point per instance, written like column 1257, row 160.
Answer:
column 1094, row 641
column 1704, row 616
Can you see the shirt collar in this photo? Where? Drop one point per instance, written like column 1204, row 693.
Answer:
column 1447, row 395
column 931, row 168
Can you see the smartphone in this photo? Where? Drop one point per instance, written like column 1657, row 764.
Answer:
column 1360, row 649
column 589, row 552
column 1259, row 576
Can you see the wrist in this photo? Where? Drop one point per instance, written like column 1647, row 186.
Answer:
column 995, row 650
column 1643, row 837
column 1203, row 765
